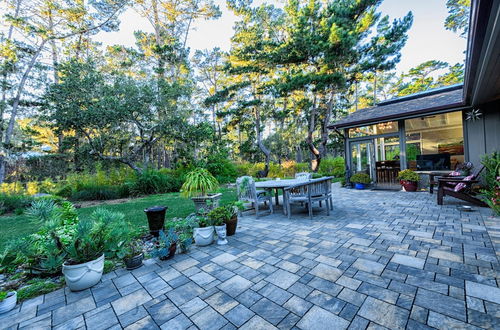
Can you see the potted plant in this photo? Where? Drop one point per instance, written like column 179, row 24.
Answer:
column 165, row 245
column 232, row 222
column 199, row 185
column 218, row 216
column 408, row 179
column 204, row 233
column 360, row 180
column 86, row 254
column 184, row 229
column 8, row 301
column 133, row 255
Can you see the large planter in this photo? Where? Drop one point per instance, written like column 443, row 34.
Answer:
column 359, row 186
column 203, row 236
column 171, row 252
column 206, row 203
column 231, row 225
column 134, row 262
column 409, row 185
column 83, row 276
column 9, row 302
column 156, row 219
column 221, row 234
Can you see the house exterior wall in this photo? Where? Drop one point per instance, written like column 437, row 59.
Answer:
column 482, row 136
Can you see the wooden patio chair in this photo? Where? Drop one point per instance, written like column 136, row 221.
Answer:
column 246, row 192
column 460, row 188
column 433, row 177
column 308, row 192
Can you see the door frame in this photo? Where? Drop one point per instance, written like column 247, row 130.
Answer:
column 371, row 146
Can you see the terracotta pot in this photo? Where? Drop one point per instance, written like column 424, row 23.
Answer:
column 409, row 185
column 231, row 225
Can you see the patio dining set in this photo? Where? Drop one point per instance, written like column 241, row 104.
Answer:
column 302, row 190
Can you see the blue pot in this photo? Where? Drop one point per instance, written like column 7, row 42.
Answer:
column 359, row 186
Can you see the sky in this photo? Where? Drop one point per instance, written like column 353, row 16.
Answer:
column 427, row 38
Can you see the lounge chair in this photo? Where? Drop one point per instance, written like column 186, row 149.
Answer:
column 460, row 188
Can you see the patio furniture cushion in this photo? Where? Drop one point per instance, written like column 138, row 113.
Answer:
column 460, row 186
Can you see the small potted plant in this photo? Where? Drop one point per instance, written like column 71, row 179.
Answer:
column 360, row 180
column 86, row 255
column 218, row 217
column 165, row 245
column 8, row 300
column 184, row 229
column 133, row 255
column 199, row 185
column 204, row 233
column 408, row 179
column 232, row 222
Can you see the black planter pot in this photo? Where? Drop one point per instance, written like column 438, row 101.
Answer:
column 134, row 262
column 231, row 226
column 156, row 219
column 171, row 252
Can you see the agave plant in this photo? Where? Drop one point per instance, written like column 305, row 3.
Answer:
column 198, row 183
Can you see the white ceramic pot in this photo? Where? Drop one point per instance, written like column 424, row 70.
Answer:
column 203, row 236
column 9, row 302
column 221, row 234
column 83, row 276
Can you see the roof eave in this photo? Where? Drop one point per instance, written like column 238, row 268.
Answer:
column 443, row 108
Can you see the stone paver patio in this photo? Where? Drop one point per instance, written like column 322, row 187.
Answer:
column 381, row 259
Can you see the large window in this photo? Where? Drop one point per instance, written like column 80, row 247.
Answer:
column 381, row 128
column 435, row 142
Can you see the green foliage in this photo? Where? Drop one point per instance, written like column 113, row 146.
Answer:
column 408, row 175
column 458, row 16
column 154, row 182
column 199, row 182
column 332, row 167
column 491, row 193
column 37, row 287
column 221, row 214
column 164, row 242
column 361, row 178
column 3, row 295
column 11, row 202
column 221, row 167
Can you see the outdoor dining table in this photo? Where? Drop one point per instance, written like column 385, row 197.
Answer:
column 276, row 185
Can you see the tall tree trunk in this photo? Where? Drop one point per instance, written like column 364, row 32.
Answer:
column 325, row 120
column 316, row 155
column 260, row 144
column 15, row 108
column 375, row 87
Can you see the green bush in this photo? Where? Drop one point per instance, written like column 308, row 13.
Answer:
column 332, row 167
column 361, row 178
column 221, row 168
column 11, row 203
column 408, row 175
column 97, row 192
column 154, row 182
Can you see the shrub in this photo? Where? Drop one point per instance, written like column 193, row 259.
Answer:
column 408, row 175
column 492, row 181
column 332, row 166
column 98, row 192
column 11, row 202
column 154, row 182
column 221, row 168
column 361, row 178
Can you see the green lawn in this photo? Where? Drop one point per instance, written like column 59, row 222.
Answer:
column 19, row 226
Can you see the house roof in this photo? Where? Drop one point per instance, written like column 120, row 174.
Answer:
column 481, row 81
column 428, row 101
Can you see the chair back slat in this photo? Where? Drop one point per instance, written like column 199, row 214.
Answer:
column 245, row 188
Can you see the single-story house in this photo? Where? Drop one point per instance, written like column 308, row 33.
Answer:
column 436, row 129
